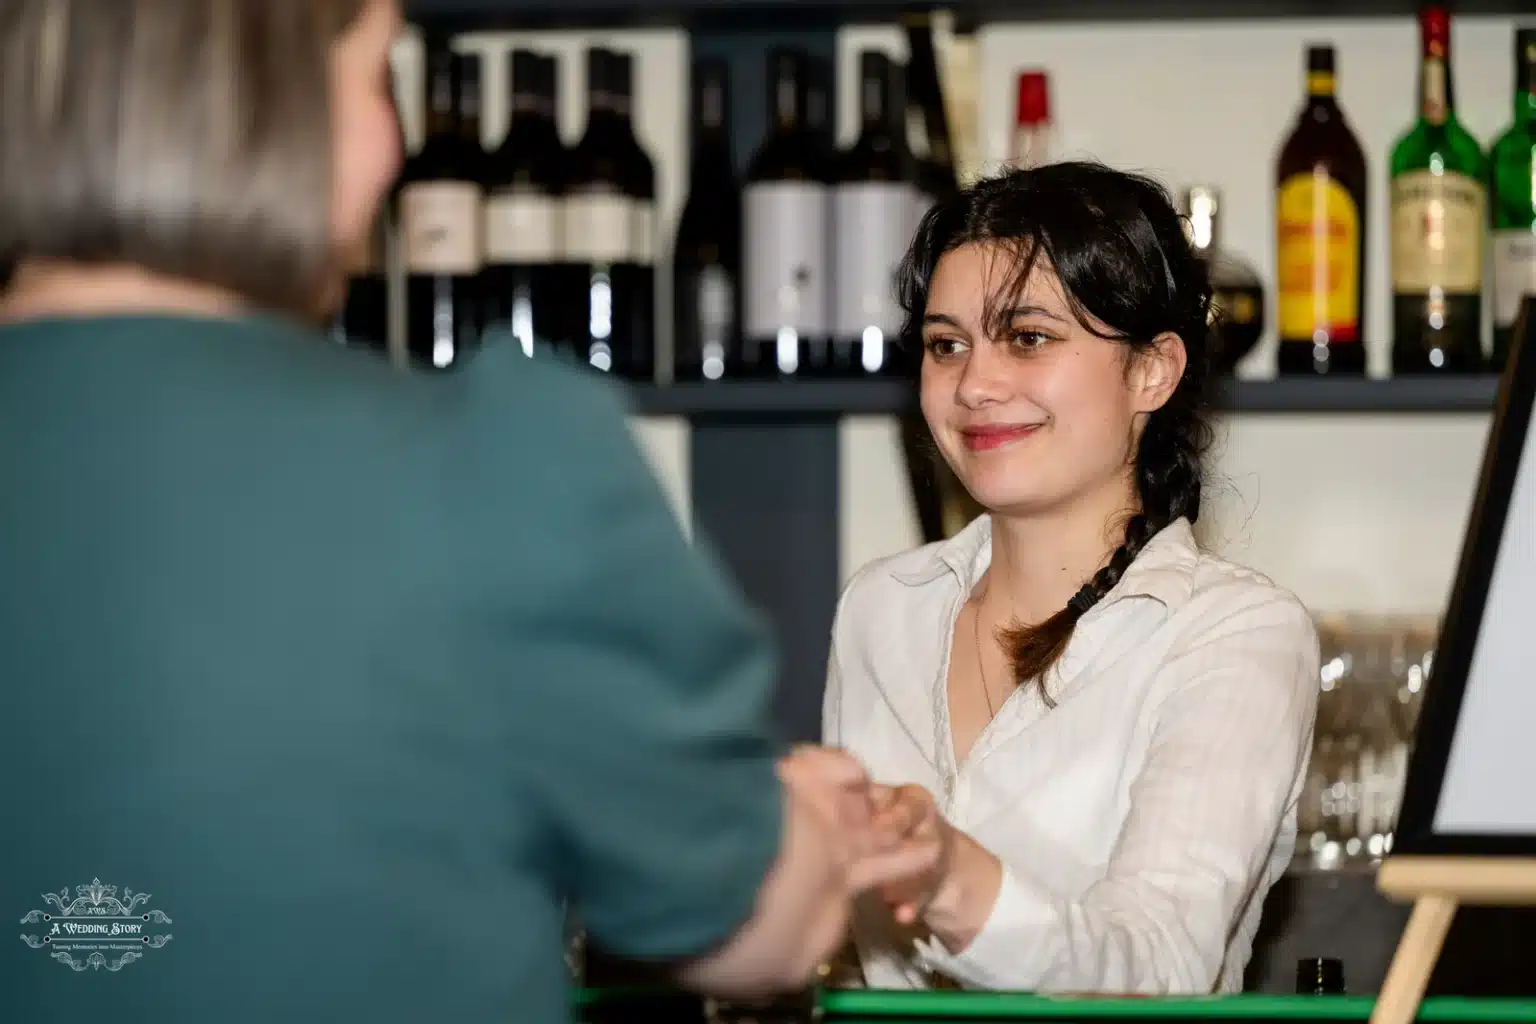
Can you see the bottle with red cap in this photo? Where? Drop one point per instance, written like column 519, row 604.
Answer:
column 1439, row 212
column 1033, row 135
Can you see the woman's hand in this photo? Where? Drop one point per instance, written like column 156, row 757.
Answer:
column 936, row 875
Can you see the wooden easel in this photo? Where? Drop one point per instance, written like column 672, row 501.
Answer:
column 1437, row 886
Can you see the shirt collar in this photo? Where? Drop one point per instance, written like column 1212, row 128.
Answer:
column 1164, row 570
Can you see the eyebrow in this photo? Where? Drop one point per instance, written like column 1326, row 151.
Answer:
column 1018, row 311
column 1008, row 315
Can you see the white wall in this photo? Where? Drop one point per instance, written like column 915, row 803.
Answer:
column 1357, row 513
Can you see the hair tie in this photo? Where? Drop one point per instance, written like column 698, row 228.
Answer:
column 1083, row 600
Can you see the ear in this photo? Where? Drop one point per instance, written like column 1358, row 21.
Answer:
column 1157, row 371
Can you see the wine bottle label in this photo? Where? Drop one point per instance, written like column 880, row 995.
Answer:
column 599, row 227
column 522, row 227
column 871, row 228
column 785, row 258
column 642, row 242
column 1437, row 233
column 1318, row 226
column 1514, row 272
column 441, row 225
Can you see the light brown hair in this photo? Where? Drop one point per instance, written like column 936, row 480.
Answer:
column 191, row 138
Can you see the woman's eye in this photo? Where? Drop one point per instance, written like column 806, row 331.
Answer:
column 943, row 346
column 1029, row 340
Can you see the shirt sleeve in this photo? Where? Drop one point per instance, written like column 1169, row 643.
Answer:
column 1231, row 745
column 646, row 684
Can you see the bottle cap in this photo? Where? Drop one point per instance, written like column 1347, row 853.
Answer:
column 1435, row 24
column 1034, row 98
column 1320, row 58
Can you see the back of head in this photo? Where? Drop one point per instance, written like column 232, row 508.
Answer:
column 191, row 138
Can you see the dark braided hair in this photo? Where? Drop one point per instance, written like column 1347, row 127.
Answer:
column 1128, row 273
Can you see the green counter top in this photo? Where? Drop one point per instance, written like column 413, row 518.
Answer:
column 859, row 1006
column 851, row 1004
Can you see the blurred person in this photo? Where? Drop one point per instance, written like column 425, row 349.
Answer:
column 342, row 679
column 1100, row 729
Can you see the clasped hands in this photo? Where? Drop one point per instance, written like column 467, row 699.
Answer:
column 891, row 839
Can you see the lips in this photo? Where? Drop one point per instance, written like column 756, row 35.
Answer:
column 985, row 438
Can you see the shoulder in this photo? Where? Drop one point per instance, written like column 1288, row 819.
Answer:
column 889, row 585
column 1248, row 635
column 1226, row 596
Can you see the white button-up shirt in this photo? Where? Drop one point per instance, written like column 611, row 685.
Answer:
column 1142, row 820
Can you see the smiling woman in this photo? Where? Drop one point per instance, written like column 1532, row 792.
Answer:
column 1102, row 727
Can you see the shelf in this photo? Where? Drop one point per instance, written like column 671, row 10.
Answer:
column 785, row 14
column 1399, row 395
column 812, row 399
column 796, row 399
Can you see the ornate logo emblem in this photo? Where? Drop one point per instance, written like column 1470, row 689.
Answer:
column 96, row 929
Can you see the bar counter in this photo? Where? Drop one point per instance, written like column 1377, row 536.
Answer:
column 857, row 1006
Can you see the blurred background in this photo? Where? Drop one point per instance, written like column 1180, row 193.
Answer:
column 701, row 199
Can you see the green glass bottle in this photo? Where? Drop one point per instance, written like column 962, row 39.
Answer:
column 1512, row 193
column 1439, row 213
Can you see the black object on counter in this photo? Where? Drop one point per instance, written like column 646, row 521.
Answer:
column 1319, row 975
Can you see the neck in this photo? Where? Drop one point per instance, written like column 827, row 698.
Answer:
column 43, row 289
column 1040, row 562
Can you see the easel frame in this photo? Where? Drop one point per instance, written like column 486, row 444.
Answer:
column 1440, row 871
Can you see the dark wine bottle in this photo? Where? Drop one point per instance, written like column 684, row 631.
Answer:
column 608, row 215
column 520, row 282
column 1319, row 976
column 706, row 261
column 441, row 218
column 363, row 320
column 638, row 275
column 1320, row 234
column 872, row 207
column 786, row 251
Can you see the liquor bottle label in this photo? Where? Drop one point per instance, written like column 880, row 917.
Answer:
column 1318, row 226
column 1437, row 233
column 599, row 227
column 785, row 258
column 441, row 224
column 871, row 228
column 642, row 242
column 1514, row 272
column 522, row 227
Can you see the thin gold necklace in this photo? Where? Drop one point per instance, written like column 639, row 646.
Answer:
column 981, row 668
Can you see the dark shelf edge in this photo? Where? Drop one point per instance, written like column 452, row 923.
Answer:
column 749, row 15
column 831, row 398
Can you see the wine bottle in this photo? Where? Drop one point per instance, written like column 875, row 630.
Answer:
column 614, row 324
column 786, row 249
column 871, row 226
column 637, row 275
column 1512, row 183
column 363, row 320
column 706, row 262
column 927, row 126
column 1237, row 294
column 1320, row 233
column 522, row 212
column 1439, row 210
column 1034, row 136
column 441, row 222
